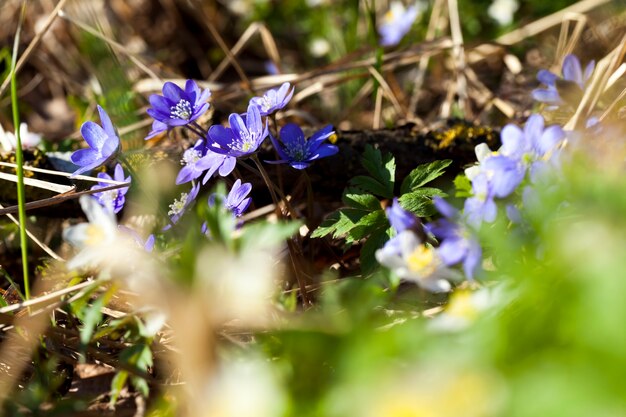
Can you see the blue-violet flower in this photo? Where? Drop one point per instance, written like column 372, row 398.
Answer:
column 236, row 200
column 457, row 243
column 177, row 107
column 103, row 144
column 273, row 100
column 397, row 22
column 401, row 219
column 243, row 137
column 295, row 150
column 112, row 200
column 572, row 72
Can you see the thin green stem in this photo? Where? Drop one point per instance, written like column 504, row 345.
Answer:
column 19, row 157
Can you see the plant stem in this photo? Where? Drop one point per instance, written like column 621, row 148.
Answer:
column 19, row 157
column 268, row 182
column 291, row 243
column 196, row 131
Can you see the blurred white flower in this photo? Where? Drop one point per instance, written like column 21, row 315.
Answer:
column 8, row 141
column 319, row 47
column 464, row 308
column 502, row 11
column 242, row 388
column 237, row 286
column 93, row 237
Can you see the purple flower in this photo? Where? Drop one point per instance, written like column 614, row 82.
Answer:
column 199, row 159
column 273, row 100
column 572, row 72
column 457, row 243
column 157, row 127
column 179, row 206
column 504, row 174
column 401, row 219
column 112, row 199
column 396, row 23
column 480, row 207
column 177, row 107
column 243, row 137
column 298, row 152
column 236, row 200
column 103, row 144
column 534, row 145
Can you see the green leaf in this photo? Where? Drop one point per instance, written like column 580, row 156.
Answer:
column 340, row 222
column 93, row 316
column 263, row 234
column 463, row 186
column 117, row 384
column 328, row 226
column 353, row 197
column 419, row 202
column 368, row 252
column 381, row 167
column 423, row 174
column 373, row 186
column 368, row 224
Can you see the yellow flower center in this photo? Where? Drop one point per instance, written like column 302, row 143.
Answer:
column 95, row 235
column 461, row 305
column 422, row 260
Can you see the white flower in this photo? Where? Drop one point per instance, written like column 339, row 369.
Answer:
column 8, row 141
column 502, row 11
column 242, row 388
column 464, row 308
column 412, row 260
column 482, row 153
column 319, row 47
column 99, row 240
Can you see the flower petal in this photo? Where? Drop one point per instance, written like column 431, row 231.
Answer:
column 572, row 70
column 221, row 135
column 173, row 92
column 94, row 134
column 547, row 77
column 105, row 120
column 546, row 96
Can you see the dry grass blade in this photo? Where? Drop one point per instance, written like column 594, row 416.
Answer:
column 458, row 53
column 34, row 238
column 436, row 22
column 601, row 75
column 33, row 182
column 117, row 46
column 567, row 41
column 62, row 174
column 18, row 342
column 229, row 54
column 33, row 44
column 268, row 42
column 47, row 298
column 46, row 202
column 387, row 90
column 545, row 23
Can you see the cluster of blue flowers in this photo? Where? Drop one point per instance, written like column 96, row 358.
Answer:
column 216, row 151
column 500, row 178
column 220, row 147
